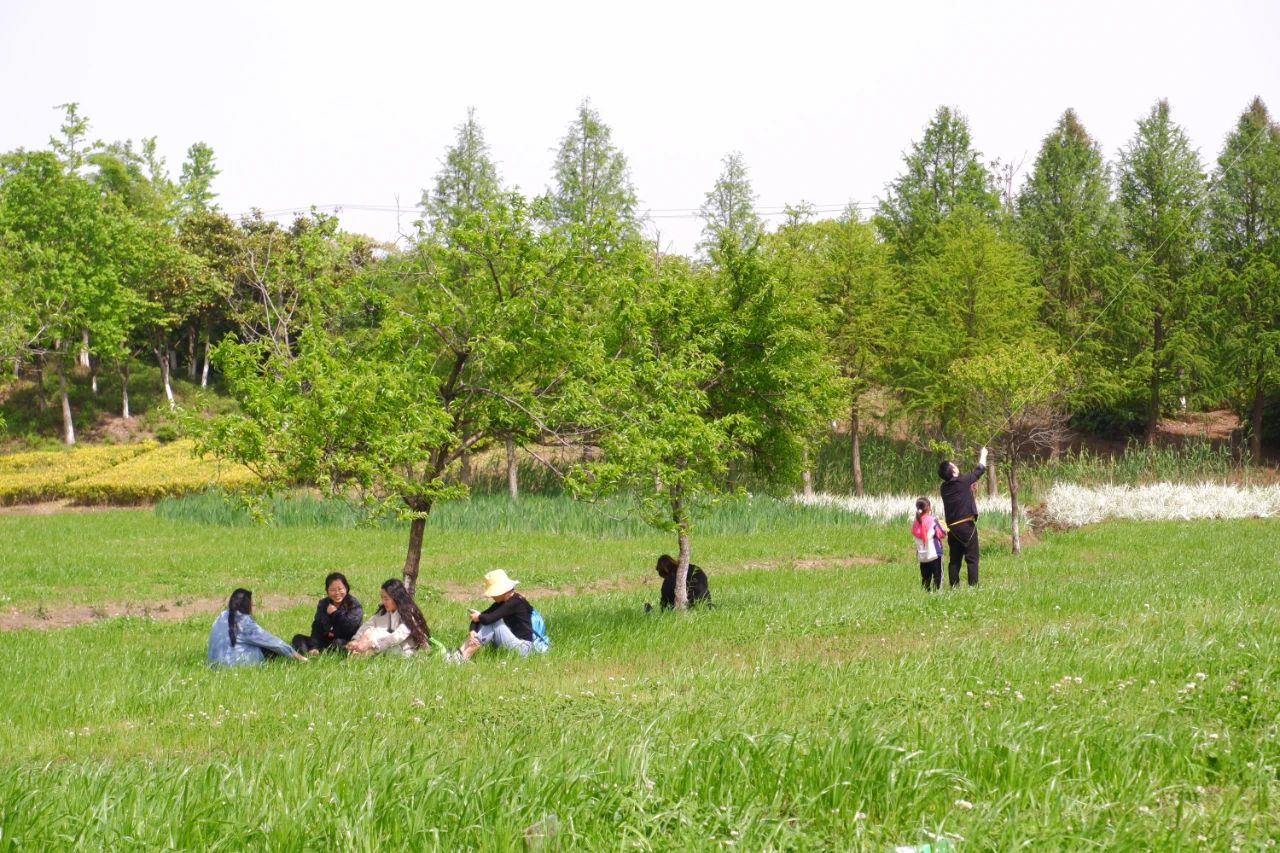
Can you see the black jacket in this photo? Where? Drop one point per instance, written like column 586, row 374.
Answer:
column 957, row 495
column 337, row 627
column 516, row 612
column 695, row 584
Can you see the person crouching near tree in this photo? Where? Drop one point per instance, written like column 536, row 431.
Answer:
column 397, row 627
column 961, row 510
column 505, row 624
column 928, row 533
column 237, row 640
column 338, row 617
column 695, row 581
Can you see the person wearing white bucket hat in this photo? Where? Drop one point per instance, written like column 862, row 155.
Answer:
column 506, row 624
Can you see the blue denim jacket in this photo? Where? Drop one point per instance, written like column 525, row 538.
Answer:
column 251, row 640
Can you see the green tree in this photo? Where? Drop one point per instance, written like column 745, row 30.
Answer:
column 1244, row 233
column 1013, row 402
column 466, row 183
column 974, row 292
column 591, row 192
column 730, row 222
column 57, row 236
column 1069, row 226
column 1161, row 187
column 848, row 271
column 195, row 187
column 943, row 172
column 716, row 365
column 467, row 330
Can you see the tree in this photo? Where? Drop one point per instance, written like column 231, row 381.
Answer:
column 591, row 191
column 730, row 221
column 157, row 278
column 195, row 187
column 388, row 384
column 1068, row 224
column 467, row 182
column 714, row 365
column 943, row 172
column 1161, row 187
column 1013, row 402
column 57, row 236
column 1244, row 233
column 864, row 310
column 221, row 247
column 973, row 293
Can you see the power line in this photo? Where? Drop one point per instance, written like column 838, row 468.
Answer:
column 648, row 213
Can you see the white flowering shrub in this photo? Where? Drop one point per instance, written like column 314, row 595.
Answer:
column 1072, row 506
column 887, row 508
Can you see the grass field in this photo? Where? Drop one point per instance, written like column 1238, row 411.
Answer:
column 1115, row 688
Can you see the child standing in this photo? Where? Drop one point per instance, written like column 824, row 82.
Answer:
column 928, row 532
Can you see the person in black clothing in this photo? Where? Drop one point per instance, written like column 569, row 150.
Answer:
column 338, row 617
column 695, row 584
column 961, row 510
column 506, row 624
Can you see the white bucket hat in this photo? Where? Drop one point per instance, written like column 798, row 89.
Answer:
column 496, row 582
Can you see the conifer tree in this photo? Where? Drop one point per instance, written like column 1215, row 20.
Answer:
column 943, row 172
column 1161, row 187
column 1244, row 232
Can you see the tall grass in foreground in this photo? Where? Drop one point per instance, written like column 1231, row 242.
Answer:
column 1079, row 700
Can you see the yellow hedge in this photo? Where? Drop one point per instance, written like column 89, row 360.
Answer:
column 44, row 474
column 164, row 471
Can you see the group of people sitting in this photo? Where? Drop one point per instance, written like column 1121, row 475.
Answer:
column 397, row 626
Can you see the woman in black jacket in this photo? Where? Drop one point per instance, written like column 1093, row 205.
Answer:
column 338, row 617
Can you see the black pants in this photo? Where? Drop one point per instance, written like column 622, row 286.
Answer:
column 303, row 643
column 931, row 572
column 963, row 541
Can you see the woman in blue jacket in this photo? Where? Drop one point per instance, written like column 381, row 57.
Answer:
column 237, row 640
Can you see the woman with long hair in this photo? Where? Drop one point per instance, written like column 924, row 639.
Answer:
column 398, row 626
column 237, row 640
column 338, row 617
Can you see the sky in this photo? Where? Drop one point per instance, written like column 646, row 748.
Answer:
column 353, row 104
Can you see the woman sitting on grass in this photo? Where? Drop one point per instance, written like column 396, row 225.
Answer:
column 398, row 626
column 338, row 617
column 505, row 624
column 237, row 640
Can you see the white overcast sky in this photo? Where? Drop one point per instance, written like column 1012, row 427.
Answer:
column 330, row 103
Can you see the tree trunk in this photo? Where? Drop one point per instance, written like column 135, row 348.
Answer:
column 163, row 353
column 855, row 449
column 513, row 473
column 993, row 485
column 191, row 353
column 42, row 401
column 84, row 347
column 1153, row 405
column 124, row 389
column 413, row 558
column 1255, row 422
column 682, row 539
column 68, row 428
column 1016, row 538
column 204, row 370
column 806, row 475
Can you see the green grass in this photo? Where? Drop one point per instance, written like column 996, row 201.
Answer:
column 830, row 707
